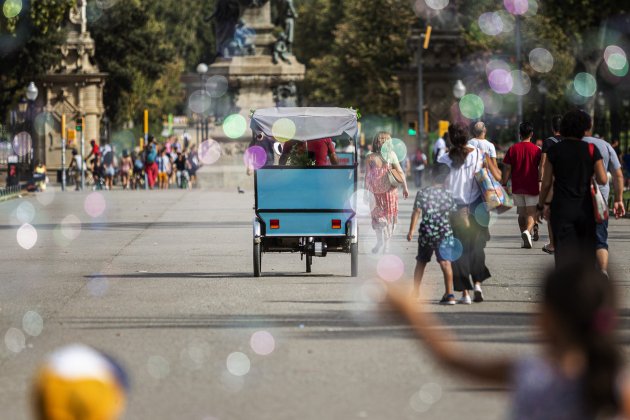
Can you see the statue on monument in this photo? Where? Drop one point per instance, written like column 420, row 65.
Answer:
column 233, row 36
column 289, row 23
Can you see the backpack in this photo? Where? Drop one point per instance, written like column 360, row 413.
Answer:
column 138, row 164
column 152, row 155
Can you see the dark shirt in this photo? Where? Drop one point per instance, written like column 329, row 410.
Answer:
column 180, row 164
column 550, row 142
column 573, row 169
column 267, row 144
column 318, row 149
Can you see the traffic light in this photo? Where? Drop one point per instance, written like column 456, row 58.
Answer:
column 413, row 128
column 79, row 124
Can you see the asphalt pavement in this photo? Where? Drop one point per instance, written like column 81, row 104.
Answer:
column 162, row 280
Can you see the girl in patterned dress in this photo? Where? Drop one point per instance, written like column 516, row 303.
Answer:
column 385, row 205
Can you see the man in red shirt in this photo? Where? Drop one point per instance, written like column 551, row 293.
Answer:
column 521, row 164
column 320, row 150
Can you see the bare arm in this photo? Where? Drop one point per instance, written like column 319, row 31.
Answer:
column 600, row 173
column 414, row 221
column 444, row 346
column 491, row 164
column 541, row 167
column 397, row 167
column 618, row 207
column 507, row 173
column 333, row 158
column 545, row 188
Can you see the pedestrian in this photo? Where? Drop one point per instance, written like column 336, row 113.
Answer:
column 579, row 375
column 39, row 176
column 569, row 168
column 479, row 140
column 161, row 161
column 267, row 143
column 150, row 167
column 464, row 161
column 549, row 142
column 76, row 167
column 385, row 210
column 626, row 165
column 181, row 164
column 109, row 169
column 138, row 170
column 611, row 164
column 419, row 164
column 521, row 165
column 193, row 160
column 439, row 148
column 126, row 166
column 433, row 206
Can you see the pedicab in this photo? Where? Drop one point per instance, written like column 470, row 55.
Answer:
column 306, row 209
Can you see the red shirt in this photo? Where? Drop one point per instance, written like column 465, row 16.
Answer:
column 524, row 158
column 319, row 148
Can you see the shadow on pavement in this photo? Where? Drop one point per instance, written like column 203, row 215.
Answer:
column 203, row 275
column 124, row 226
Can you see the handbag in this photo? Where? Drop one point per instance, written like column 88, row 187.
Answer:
column 600, row 209
column 394, row 178
column 492, row 192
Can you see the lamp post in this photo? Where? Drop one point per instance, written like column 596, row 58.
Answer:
column 202, row 71
column 459, row 89
column 543, row 91
column 26, row 108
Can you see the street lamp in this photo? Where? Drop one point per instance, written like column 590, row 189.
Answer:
column 202, row 70
column 459, row 90
column 31, row 92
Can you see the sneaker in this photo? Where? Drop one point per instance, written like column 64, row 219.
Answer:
column 465, row 300
column 448, row 300
column 535, row 236
column 527, row 239
column 478, row 294
column 546, row 249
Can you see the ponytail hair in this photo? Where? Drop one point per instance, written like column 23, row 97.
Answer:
column 458, row 134
column 582, row 300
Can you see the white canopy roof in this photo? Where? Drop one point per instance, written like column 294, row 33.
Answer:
column 305, row 123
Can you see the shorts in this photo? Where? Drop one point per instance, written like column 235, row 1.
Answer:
column 162, row 176
column 601, row 235
column 525, row 200
column 110, row 171
column 425, row 252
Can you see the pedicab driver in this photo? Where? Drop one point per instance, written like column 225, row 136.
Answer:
column 321, row 149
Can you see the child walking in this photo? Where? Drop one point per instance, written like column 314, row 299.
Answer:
column 578, row 375
column 434, row 205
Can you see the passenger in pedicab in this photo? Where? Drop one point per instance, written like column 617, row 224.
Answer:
column 319, row 151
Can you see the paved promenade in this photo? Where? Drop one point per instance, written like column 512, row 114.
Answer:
column 162, row 280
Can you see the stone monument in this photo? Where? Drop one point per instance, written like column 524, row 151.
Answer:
column 258, row 66
column 74, row 88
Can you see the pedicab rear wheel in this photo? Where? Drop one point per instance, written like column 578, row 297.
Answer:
column 354, row 260
column 257, row 259
column 309, row 263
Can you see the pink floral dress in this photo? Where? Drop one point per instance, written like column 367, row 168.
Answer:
column 385, row 206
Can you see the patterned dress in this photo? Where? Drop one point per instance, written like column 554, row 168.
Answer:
column 385, row 206
column 436, row 204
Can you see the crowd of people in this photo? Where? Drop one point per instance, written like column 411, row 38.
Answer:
column 170, row 164
column 552, row 184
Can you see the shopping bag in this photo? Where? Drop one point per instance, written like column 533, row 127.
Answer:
column 493, row 195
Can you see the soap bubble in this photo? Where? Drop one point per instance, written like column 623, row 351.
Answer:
column 209, row 152
column 234, row 126
column 199, row 102
column 15, row 340
column 541, row 60
column 437, row 4
column 585, row 84
column 25, row 212
column 283, row 130
column 94, row 204
column 390, row 268
column 22, row 143
column 12, row 8
column 32, row 323
column 395, row 147
column 522, row 84
column 217, row 86
column 500, row 81
column 70, row 227
column 255, row 157
column 238, row 364
column 451, row 249
column 490, row 23
column 362, row 202
column 471, row 106
column 262, row 342
column 158, row 367
column 516, row 7
column 27, row 236
column 492, row 102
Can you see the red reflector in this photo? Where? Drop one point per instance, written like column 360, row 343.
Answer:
column 336, row 224
column 274, row 224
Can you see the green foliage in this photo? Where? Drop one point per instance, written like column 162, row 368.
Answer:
column 29, row 46
column 356, row 62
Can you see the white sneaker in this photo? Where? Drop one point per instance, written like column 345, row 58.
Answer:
column 465, row 300
column 478, row 294
column 527, row 239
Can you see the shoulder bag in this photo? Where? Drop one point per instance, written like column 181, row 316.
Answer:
column 394, row 178
column 600, row 209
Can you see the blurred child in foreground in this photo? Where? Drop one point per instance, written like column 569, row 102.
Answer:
column 579, row 373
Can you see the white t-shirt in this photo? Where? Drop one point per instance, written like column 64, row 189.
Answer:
column 485, row 146
column 78, row 161
column 461, row 181
column 439, row 148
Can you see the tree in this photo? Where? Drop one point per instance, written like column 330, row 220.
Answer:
column 28, row 46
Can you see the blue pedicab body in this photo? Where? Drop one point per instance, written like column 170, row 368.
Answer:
column 306, row 210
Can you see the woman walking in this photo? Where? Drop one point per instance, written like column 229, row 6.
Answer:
column 569, row 168
column 469, row 270
column 385, row 209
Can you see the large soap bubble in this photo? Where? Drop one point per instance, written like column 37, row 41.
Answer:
column 541, row 60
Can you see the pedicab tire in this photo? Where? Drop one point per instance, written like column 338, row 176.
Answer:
column 257, row 260
column 309, row 263
column 354, row 260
